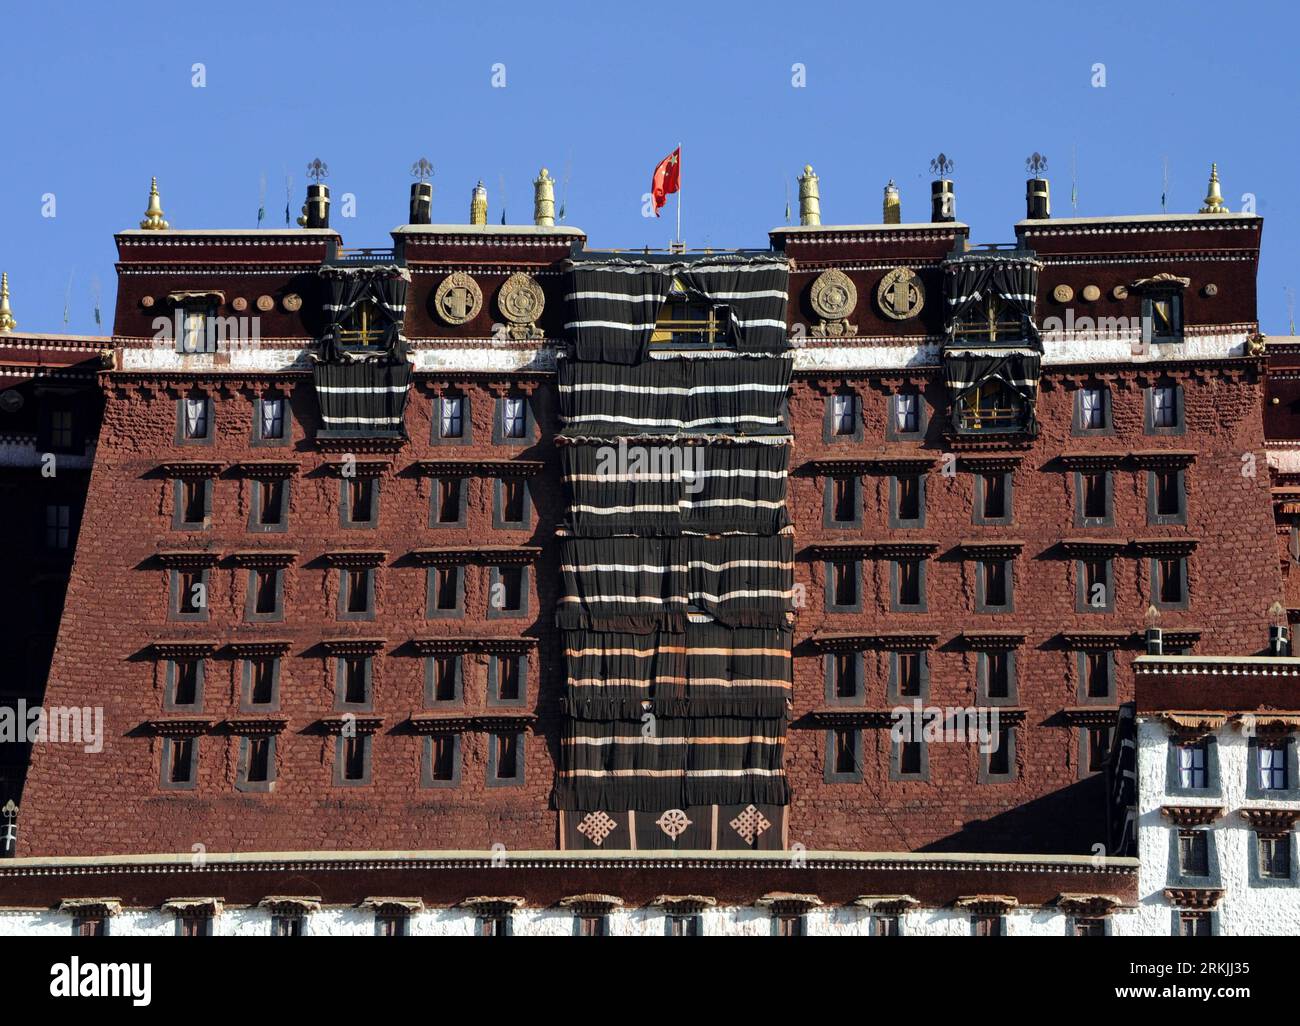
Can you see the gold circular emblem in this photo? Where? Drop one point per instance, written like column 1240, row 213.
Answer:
column 1063, row 293
column 146, row 301
column 1120, row 292
column 265, row 303
column 292, row 302
column 458, row 299
column 239, row 304
column 900, row 294
column 1091, row 293
column 521, row 299
column 1211, row 289
column 833, row 295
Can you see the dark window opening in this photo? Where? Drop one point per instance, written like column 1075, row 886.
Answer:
column 1096, row 583
column 909, row 497
column 1193, row 924
column 844, row 499
column 1096, row 671
column 90, row 926
column 355, row 753
column 1170, row 580
column 445, row 674
column 392, row 924
column 1168, row 494
column 357, row 585
column 686, row 319
column 1193, row 853
column 997, row 670
column 508, row 678
column 194, row 506
column 445, row 588
column 181, row 769
column 846, row 751
column 995, row 582
column 194, row 925
column 845, row 583
column 790, row 925
column 884, row 926
column 444, row 757
column 510, row 580
column 591, row 926
column 995, row 496
column 270, row 508
column 1090, row 928
column 909, row 582
column 1000, row 757
column 990, row 406
column 361, row 500
column 262, row 691
column 287, row 924
column 909, row 758
column 265, row 591
column 1095, row 506
column 193, row 591
column 1275, row 857
column 986, row 926
column 846, row 675
column 259, row 760
column 512, row 500
column 908, row 670
column 684, row 926
column 355, row 687
column 187, row 682
column 449, row 499
column 507, row 763
column 1098, row 748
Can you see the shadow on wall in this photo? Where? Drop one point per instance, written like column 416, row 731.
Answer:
column 1066, row 822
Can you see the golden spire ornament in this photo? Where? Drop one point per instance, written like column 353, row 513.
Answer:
column 1214, row 198
column 810, row 197
column 544, row 199
column 893, row 208
column 7, row 322
column 478, row 204
column 153, row 217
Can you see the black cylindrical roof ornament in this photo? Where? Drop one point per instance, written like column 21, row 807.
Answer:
column 421, row 203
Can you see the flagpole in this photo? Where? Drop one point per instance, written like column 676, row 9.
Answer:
column 679, row 192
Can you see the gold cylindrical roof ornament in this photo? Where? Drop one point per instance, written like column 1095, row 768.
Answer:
column 1214, row 197
column 7, row 322
column 810, row 197
column 478, row 205
column 544, row 199
column 153, row 217
column 893, row 204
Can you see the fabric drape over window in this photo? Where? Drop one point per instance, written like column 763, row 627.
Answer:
column 972, row 280
column 364, row 397
column 645, row 584
column 755, row 293
column 1017, row 369
column 705, row 761
column 657, row 490
column 385, row 286
column 613, row 304
column 670, row 397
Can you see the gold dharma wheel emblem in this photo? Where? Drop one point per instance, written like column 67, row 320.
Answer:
column 900, row 294
column 458, row 299
column 833, row 295
column 521, row 299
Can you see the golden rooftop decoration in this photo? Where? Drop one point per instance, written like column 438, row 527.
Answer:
column 478, row 204
column 1214, row 199
column 544, row 199
column 810, row 199
column 7, row 322
column 893, row 204
column 153, row 217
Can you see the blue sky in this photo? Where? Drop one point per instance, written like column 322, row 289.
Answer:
column 99, row 98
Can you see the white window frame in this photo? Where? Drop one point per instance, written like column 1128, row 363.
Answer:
column 451, row 414
column 514, row 418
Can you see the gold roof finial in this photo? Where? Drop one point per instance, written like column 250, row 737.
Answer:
column 544, row 199
column 810, row 197
column 7, row 322
column 153, row 217
column 1214, row 198
column 478, row 204
column 893, row 204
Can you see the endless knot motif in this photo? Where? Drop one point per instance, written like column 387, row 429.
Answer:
column 458, row 299
column 596, row 826
column 673, row 823
column 750, row 824
column 900, row 294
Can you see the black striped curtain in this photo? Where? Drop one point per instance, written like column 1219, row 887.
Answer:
column 362, row 397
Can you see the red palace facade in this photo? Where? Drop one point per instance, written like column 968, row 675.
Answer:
column 617, row 568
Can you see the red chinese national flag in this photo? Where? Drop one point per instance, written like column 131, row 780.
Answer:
column 667, row 178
